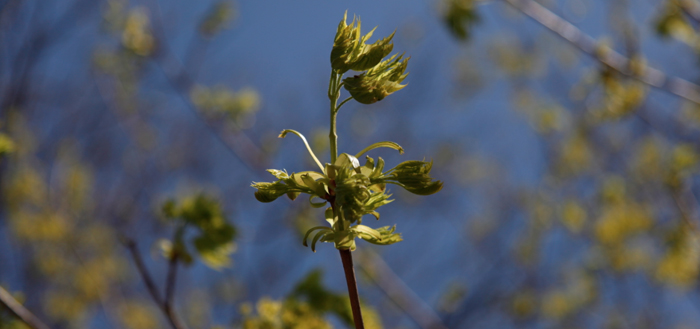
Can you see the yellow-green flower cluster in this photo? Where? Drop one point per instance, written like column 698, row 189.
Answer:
column 350, row 52
column 379, row 81
column 353, row 190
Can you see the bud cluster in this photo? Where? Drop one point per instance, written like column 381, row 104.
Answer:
column 354, row 191
column 350, row 52
column 350, row 190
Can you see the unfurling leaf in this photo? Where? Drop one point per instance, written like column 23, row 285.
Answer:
column 379, row 81
column 386, row 236
column 268, row 192
column 414, row 176
column 350, row 51
column 388, row 144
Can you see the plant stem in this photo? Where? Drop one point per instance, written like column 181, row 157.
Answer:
column 333, row 94
column 346, row 257
column 343, row 103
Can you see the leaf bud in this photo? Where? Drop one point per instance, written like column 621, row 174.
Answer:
column 350, row 51
column 379, row 81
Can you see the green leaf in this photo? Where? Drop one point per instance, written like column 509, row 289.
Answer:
column 350, row 51
column 346, row 159
column 284, row 134
column 293, row 195
column 316, row 204
column 217, row 18
column 321, row 299
column 7, row 145
column 313, row 174
column 280, row 174
column 366, row 230
column 387, row 236
column 268, row 192
column 329, row 216
column 306, row 236
column 345, row 239
column 460, row 17
column 310, row 182
column 388, row 144
column 214, row 255
column 414, row 176
column 378, row 168
column 316, row 238
column 378, row 82
column 170, row 209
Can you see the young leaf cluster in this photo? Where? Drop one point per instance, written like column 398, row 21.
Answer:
column 350, row 52
column 354, row 191
column 347, row 189
column 214, row 238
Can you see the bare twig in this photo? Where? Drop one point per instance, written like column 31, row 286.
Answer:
column 180, row 80
column 650, row 76
column 346, row 257
column 688, row 206
column 170, row 314
column 170, row 284
column 20, row 311
column 141, row 267
column 691, row 9
column 402, row 295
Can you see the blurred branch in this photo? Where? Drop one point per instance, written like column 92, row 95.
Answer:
column 181, row 81
column 164, row 305
column 691, row 9
column 688, row 206
column 170, row 285
column 35, row 46
column 650, row 76
column 402, row 295
column 20, row 311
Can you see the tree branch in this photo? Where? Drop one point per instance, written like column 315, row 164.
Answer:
column 691, row 9
column 688, row 207
column 164, row 305
column 650, row 76
column 20, row 311
column 170, row 285
column 241, row 145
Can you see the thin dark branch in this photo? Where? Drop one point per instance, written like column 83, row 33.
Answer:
column 402, row 295
column 143, row 271
column 650, row 76
column 346, row 257
column 170, row 284
column 688, row 206
column 170, row 314
column 20, row 311
column 241, row 146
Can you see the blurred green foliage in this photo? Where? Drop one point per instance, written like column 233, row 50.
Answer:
column 214, row 241
column 460, row 16
column 305, row 307
column 611, row 214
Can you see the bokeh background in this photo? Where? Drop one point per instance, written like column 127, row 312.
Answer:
column 569, row 196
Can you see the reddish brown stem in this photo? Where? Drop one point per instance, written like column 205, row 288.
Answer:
column 346, row 257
